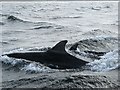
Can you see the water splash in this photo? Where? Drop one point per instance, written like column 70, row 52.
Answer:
column 107, row 62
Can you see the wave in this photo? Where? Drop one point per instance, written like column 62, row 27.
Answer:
column 99, row 44
column 25, row 23
column 13, row 18
column 21, row 19
column 96, row 8
column 22, row 64
column 107, row 62
column 108, row 46
column 42, row 27
column 46, row 25
column 65, row 17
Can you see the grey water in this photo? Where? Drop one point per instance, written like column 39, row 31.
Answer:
column 27, row 25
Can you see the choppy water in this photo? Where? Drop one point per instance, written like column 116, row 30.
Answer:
column 27, row 26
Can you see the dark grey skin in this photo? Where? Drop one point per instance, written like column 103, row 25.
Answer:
column 55, row 58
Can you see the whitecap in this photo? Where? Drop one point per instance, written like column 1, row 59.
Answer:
column 107, row 62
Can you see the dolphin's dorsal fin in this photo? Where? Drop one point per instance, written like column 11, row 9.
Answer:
column 74, row 47
column 60, row 46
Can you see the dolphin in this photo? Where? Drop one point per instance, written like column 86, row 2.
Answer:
column 55, row 58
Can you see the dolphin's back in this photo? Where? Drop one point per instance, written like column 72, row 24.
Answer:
column 56, row 56
column 32, row 56
column 64, row 60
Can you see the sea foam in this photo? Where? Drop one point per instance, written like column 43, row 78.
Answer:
column 107, row 62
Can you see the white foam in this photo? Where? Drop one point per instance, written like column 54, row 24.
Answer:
column 107, row 62
column 8, row 60
column 27, row 66
column 34, row 67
